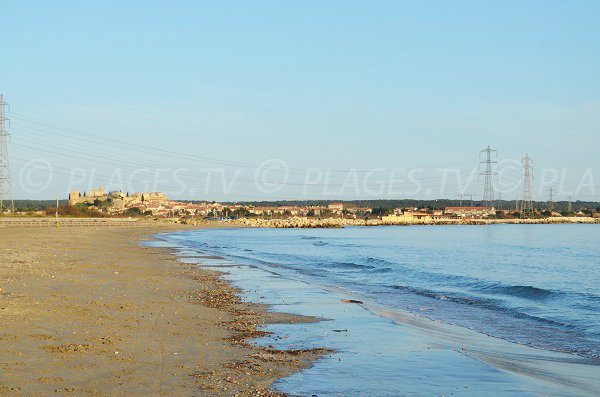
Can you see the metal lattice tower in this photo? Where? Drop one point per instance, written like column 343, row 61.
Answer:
column 570, row 208
column 526, row 206
column 550, row 199
column 462, row 196
column 6, row 202
column 489, row 173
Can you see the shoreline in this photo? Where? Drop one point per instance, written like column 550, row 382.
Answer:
column 92, row 311
column 512, row 366
column 97, row 311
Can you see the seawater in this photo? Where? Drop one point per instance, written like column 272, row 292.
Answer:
column 535, row 285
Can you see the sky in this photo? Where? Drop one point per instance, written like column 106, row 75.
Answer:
column 273, row 100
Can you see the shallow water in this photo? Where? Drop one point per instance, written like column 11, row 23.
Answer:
column 537, row 285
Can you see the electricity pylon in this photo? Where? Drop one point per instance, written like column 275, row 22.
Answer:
column 526, row 206
column 489, row 174
column 550, row 199
column 6, row 201
column 570, row 208
column 461, row 196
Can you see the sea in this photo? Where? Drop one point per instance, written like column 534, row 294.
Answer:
column 445, row 310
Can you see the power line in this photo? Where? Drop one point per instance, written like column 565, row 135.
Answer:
column 62, row 149
column 129, row 146
column 5, row 179
column 78, row 154
column 56, row 146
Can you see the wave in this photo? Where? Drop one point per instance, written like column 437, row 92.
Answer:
column 490, row 304
column 349, row 265
column 522, row 291
column 378, row 261
column 382, row 270
column 379, row 265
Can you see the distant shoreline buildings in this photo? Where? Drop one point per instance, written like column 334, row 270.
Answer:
column 157, row 204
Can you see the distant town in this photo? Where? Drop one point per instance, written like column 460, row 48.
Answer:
column 156, row 205
column 147, row 206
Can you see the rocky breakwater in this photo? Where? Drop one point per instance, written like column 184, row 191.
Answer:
column 298, row 222
column 550, row 220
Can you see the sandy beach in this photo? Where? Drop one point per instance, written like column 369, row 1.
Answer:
column 90, row 311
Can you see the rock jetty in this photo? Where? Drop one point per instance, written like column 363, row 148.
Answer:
column 303, row 222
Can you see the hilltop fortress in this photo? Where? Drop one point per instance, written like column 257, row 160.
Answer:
column 116, row 198
column 117, row 202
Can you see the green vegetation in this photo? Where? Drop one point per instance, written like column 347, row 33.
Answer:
column 35, row 205
column 133, row 212
column 74, row 211
column 241, row 213
column 381, row 211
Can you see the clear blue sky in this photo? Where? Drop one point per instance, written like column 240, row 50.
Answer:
column 327, row 85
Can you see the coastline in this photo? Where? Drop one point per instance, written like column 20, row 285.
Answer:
column 91, row 311
column 376, row 344
column 94, row 311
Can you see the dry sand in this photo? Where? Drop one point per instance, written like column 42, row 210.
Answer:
column 88, row 311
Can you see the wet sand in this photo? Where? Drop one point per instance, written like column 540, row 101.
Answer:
column 89, row 311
